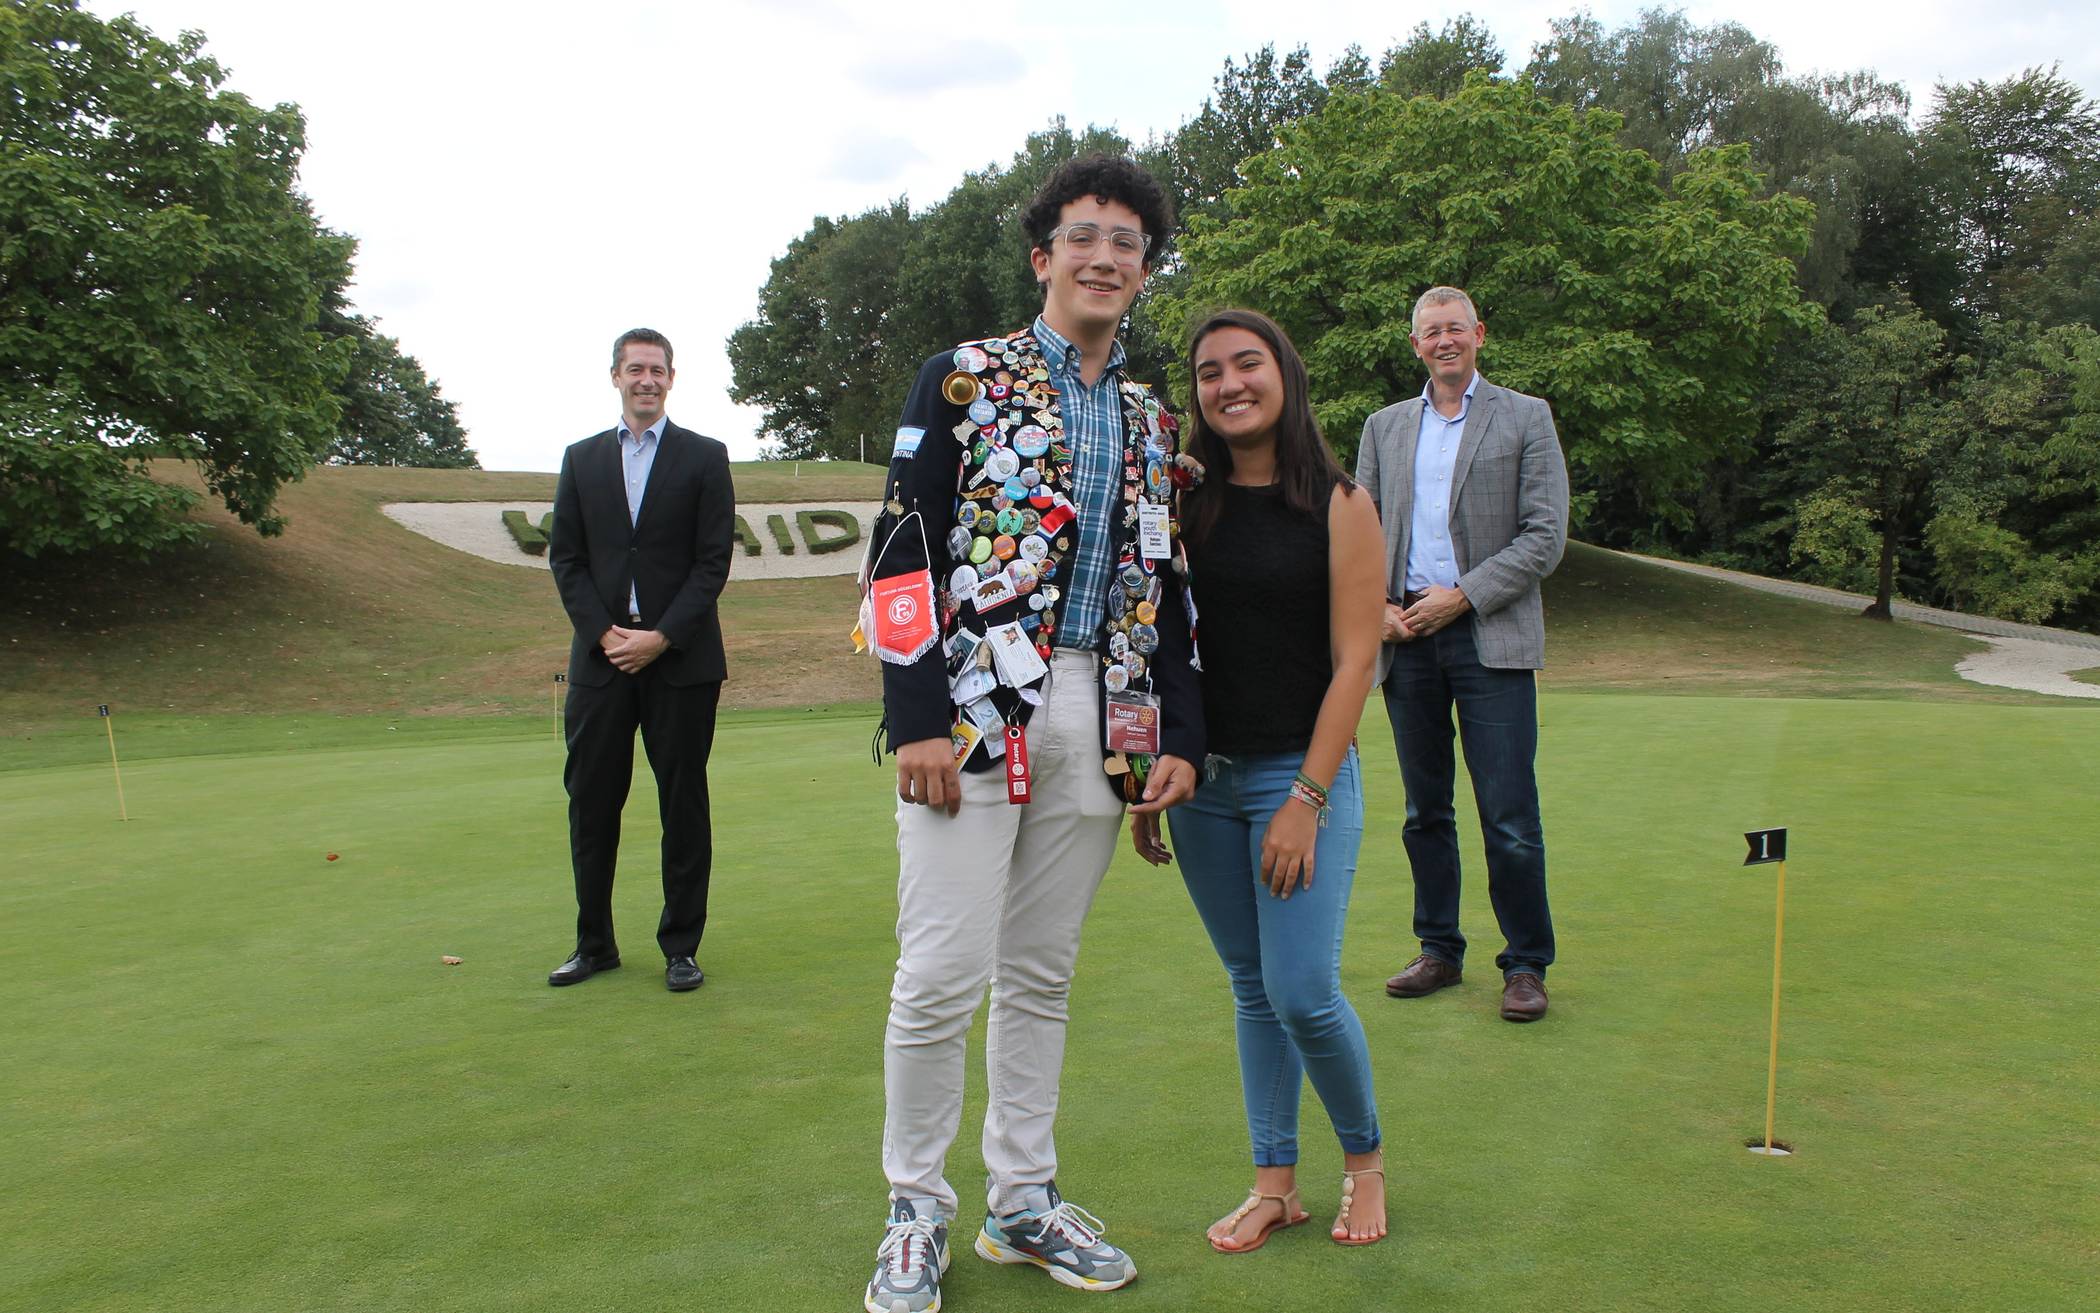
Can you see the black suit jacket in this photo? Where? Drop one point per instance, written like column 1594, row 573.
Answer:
column 676, row 554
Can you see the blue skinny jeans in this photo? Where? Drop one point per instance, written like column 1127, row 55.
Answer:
column 1283, row 955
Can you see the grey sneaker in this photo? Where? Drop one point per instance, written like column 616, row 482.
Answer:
column 910, row 1262
column 1064, row 1241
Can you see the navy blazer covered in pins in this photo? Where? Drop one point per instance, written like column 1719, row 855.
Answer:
column 916, row 702
column 675, row 555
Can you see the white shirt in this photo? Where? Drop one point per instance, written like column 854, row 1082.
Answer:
column 1431, row 557
column 637, row 458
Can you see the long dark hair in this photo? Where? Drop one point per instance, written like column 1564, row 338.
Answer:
column 1305, row 465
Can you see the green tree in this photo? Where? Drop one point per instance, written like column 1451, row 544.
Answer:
column 1646, row 315
column 2016, row 524
column 161, row 280
column 1436, row 63
column 392, row 413
column 1249, row 101
column 855, row 305
column 2018, row 163
column 820, row 359
column 1840, row 141
column 1678, row 87
column 1868, row 446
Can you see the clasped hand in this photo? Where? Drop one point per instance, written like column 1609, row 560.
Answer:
column 631, row 649
column 1434, row 610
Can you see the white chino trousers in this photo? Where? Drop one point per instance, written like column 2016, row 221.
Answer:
column 995, row 895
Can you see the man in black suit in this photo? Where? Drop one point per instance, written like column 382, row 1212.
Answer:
column 644, row 517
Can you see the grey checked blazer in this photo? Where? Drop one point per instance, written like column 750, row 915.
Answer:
column 1509, row 514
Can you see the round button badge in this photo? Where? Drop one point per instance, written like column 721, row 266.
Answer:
column 971, row 360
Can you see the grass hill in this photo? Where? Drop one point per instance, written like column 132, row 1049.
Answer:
column 348, row 613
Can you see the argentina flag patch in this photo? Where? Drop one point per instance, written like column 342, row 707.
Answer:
column 907, row 443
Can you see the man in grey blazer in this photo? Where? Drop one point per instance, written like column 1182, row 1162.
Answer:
column 1473, row 493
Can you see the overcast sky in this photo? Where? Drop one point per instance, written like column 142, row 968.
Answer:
column 527, row 180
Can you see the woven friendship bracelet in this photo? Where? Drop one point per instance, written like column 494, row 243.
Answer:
column 1313, row 786
column 1311, row 797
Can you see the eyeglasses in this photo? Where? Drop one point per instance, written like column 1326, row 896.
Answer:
column 1084, row 238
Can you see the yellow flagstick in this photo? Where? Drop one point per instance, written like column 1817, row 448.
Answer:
column 1772, row 1075
column 110, row 726
column 1768, row 847
column 555, row 698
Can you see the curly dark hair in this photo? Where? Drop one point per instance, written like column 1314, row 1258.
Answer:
column 1115, row 178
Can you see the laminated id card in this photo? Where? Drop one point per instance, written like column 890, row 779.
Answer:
column 1133, row 723
column 1152, row 531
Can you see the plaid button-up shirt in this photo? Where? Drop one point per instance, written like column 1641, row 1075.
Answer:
column 1093, row 420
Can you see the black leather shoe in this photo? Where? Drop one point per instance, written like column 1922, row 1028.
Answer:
column 580, row 967
column 682, row 974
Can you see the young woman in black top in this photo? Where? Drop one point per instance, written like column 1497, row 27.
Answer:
column 1287, row 565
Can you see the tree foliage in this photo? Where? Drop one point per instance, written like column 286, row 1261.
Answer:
column 1436, row 63
column 1694, row 252
column 1868, row 444
column 1645, row 312
column 2018, row 168
column 853, row 307
column 161, row 280
column 392, row 412
column 1249, row 101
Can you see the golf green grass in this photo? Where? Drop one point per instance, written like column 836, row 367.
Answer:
column 239, row 1077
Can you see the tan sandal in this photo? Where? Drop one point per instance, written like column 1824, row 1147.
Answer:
column 1291, row 1215
column 1341, row 1221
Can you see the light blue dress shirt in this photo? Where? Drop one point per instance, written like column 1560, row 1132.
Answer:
column 1431, row 558
column 1093, row 418
column 637, row 458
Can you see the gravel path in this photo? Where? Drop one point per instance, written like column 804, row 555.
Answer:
column 476, row 527
column 2034, row 658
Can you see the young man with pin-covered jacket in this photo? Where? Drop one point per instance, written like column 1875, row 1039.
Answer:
column 1033, row 483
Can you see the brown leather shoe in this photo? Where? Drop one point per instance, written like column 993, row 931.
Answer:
column 1523, row 997
column 1424, row 975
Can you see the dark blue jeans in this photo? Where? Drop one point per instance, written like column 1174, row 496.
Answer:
column 1498, row 723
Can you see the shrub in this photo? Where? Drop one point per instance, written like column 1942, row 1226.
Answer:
column 846, row 530
column 531, row 538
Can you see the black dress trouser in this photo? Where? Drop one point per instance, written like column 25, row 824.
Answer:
column 678, row 730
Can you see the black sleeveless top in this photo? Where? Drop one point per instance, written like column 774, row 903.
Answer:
column 1260, row 580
